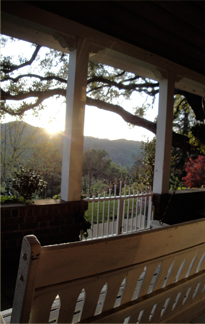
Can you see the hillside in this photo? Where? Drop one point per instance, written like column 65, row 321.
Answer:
column 122, row 152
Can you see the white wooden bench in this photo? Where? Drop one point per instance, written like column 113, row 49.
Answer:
column 153, row 276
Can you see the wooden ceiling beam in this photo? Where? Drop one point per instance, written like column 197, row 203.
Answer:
column 32, row 22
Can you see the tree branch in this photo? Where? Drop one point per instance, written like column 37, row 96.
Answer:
column 196, row 103
column 177, row 139
column 128, row 117
column 8, row 69
column 25, row 95
column 122, row 86
column 181, row 141
column 29, row 75
column 41, row 96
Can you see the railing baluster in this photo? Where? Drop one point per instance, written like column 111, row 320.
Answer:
column 139, row 201
column 149, row 211
column 98, row 213
column 145, row 208
column 124, row 203
column 136, row 213
column 120, row 210
column 103, row 215
column 113, row 214
column 108, row 214
column 128, row 209
column 133, row 203
column 140, row 213
column 93, row 211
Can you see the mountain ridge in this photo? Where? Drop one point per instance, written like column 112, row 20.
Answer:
column 121, row 151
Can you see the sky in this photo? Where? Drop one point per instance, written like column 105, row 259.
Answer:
column 98, row 123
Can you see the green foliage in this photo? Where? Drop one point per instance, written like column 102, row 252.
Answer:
column 139, row 186
column 197, row 138
column 183, row 115
column 97, row 167
column 85, row 225
column 57, row 196
column 29, row 81
column 48, row 157
column 186, row 124
column 148, row 160
column 198, row 131
column 43, row 74
column 12, row 199
column 17, row 144
column 27, row 182
column 89, row 212
column 122, row 152
column 98, row 185
column 175, row 183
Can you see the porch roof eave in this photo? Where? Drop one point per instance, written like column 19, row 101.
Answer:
column 60, row 33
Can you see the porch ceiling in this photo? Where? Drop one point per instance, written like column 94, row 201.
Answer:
column 145, row 37
column 174, row 30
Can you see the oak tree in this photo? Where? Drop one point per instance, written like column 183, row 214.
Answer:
column 29, row 81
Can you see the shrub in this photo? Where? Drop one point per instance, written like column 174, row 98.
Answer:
column 27, row 182
column 195, row 169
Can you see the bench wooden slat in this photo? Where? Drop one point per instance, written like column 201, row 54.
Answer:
column 133, row 309
column 69, row 298
column 26, row 279
column 125, row 278
column 132, row 248
column 44, row 300
column 132, row 280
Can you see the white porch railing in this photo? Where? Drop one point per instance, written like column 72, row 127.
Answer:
column 111, row 215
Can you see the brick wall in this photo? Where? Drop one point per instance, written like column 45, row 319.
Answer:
column 52, row 223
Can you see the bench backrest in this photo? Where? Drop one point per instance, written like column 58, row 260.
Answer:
column 150, row 276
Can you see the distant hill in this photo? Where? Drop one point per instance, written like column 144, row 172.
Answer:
column 122, row 152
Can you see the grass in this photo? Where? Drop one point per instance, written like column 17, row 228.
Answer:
column 106, row 206
column 90, row 208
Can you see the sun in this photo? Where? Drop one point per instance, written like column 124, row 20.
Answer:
column 53, row 127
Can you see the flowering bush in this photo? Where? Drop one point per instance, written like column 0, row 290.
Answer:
column 195, row 169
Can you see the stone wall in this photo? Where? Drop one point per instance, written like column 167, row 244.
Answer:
column 52, row 222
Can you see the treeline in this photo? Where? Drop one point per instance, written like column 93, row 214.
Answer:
column 121, row 152
column 23, row 145
column 39, row 151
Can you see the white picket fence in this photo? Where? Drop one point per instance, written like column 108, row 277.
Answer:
column 111, row 215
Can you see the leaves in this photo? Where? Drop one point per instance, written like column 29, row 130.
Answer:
column 27, row 182
column 29, row 81
column 96, row 167
column 195, row 169
column 48, row 157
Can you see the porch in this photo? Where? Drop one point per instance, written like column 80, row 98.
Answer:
column 180, row 66
column 185, row 211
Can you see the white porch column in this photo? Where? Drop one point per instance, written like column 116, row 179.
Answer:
column 75, row 108
column 164, row 136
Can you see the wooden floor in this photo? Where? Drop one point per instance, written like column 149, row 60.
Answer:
column 200, row 319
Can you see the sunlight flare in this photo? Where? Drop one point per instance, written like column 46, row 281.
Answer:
column 53, row 127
